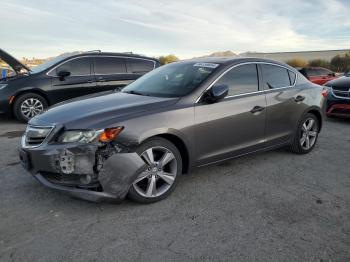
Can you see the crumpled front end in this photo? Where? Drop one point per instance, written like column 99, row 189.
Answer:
column 93, row 172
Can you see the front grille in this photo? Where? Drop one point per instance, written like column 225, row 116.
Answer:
column 58, row 178
column 36, row 135
column 341, row 92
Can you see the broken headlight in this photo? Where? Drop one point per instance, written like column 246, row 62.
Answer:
column 80, row 136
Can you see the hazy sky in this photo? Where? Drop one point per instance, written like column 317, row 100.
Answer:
column 185, row 28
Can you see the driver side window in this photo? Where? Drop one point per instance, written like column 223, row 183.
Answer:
column 76, row 67
column 241, row 80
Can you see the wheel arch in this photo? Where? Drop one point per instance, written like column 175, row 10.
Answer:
column 317, row 112
column 30, row 90
column 180, row 144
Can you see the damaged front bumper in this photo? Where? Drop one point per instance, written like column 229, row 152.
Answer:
column 86, row 171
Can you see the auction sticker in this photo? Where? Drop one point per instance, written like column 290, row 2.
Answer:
column 210, row 65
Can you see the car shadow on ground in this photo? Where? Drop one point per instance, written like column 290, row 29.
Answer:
column 338, row 120
column 186, row 181
column 8, row 120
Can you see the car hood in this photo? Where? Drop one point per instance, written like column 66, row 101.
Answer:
column 99, row 111
column 16, row 65
column 343, row 81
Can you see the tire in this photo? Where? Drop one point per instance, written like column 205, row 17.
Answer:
column 306, row 132
column 165, row 180
column 31, row 101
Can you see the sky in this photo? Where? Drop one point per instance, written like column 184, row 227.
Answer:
column 186, row 28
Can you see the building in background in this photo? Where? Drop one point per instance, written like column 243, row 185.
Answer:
column 306, row 55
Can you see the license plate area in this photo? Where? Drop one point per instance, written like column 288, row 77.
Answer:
column 24, row 159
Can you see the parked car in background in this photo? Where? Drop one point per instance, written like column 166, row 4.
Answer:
column 180, row 116
column 28, row 92
column 338, row 97
column 318, row 75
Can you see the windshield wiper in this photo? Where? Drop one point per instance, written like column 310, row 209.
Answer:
column 135, row 93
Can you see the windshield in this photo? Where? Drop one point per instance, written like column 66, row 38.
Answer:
column 173, row 80
column 50, row 62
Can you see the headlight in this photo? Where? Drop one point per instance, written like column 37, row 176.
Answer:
column 81, row 136
column 2, row 86
column 89, row 136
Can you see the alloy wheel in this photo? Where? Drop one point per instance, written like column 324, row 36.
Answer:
column 308, row 135
column 31, row 107
column 160, row 174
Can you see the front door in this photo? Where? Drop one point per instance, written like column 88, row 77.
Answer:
column 234, row 125
column 79, row 82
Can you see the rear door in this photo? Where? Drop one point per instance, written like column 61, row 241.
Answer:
column 80, row 81
column 236, row 124
column 111, row 72
column 284, row 103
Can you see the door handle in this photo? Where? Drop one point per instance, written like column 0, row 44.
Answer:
column 299, row 98
column 257, row 109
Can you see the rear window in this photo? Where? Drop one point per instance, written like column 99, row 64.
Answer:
column 139, row 66
column 109, row 65
column 275, row 76
column 323, row 72
column 313, row 72
column 292, row 77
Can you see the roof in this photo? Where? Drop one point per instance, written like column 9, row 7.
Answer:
column 99, row 53
column 231, row 60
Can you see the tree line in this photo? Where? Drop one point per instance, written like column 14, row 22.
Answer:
column 337, row 63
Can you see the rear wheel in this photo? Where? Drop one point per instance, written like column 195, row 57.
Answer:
column 164, row 165
column 306, row 135
column 29, row 105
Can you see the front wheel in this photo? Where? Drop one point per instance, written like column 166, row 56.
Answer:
column 306, row 135
column 29, row 105
column 164, row 165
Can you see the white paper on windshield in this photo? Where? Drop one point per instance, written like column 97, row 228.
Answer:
column 210, row 65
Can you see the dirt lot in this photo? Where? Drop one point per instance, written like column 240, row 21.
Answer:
column 273, row 206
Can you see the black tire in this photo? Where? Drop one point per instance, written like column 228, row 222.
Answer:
column 153, row 143
column 296, row 146
column 22, row 98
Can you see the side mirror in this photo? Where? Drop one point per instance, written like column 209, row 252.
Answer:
column 216, row 93
column 63, row 74
column 331, row 74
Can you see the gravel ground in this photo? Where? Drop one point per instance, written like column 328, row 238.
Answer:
column 273, row 206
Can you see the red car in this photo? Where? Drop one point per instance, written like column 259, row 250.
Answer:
column 318, row 75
